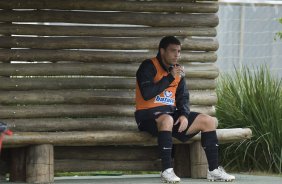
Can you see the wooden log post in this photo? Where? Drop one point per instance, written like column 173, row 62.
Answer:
column 182, row 160
column 40, row 164
column 17, row 165
column 4, row 154
column 199, row 164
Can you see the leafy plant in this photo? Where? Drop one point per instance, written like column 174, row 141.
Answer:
column 254, row 100
column 279, row 34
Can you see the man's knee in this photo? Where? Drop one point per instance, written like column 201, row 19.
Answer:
column 215, row 122
column 210, row 122
column 164, row 122
column 207, row 122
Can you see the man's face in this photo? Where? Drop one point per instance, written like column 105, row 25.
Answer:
column 171, row 54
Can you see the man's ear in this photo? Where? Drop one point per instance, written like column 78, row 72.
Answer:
column 162, row 51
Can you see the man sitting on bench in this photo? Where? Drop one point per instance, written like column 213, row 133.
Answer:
column 162, row 109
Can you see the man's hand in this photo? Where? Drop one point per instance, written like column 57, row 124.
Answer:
column 177, row 71
column 183, row 121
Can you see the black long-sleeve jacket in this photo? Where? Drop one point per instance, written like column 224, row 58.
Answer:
column 145, row 78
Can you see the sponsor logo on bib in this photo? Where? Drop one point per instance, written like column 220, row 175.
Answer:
column 166, row 99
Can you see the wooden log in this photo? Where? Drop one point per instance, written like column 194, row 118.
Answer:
column 208, row 71
column 103, row 138
column 72, row 165
column 103, row 31
column 95, row 97
column 96, row 56
column 17, row 165
column 71, row 124
column 87, row 83
column 196, row 44
column 113, row 5
column 40, row 164
column 97, row 69
column 134, row 18
column 199, row 164
column 182, row 161
column 234, row 134
column 200, row 84
column 47, row 111
column 206, row 97
column 66, row 83
column 124, row 153
column 76, row 111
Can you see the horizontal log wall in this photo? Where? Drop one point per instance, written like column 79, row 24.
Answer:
column 67, row 75
column 125, row 153
column 125, row 158
column 70, row 65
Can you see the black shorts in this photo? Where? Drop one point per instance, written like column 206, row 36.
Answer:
column 148, row 123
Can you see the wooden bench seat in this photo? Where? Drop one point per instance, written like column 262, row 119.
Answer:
column 104, row 150
column 110, row 137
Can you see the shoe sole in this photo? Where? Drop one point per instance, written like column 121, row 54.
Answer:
column 165, row 181
column 214, row 180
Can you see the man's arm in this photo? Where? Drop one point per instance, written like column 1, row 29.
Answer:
column 145, row 78
column 182, row 98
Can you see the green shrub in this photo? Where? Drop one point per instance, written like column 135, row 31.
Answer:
column 278, row 34
column 254, row 100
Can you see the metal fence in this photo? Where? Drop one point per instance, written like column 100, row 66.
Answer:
column 246, row 35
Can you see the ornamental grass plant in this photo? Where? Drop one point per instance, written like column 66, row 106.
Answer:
column 252, row 99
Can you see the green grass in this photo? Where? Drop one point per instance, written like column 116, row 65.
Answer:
column 254, row 100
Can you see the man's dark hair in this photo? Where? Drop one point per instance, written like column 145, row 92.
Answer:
column 165, row 41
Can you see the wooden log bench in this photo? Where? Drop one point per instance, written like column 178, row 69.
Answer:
column 67, row 82
column 37, row 155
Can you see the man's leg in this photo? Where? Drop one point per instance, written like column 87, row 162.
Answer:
column 165, row 124
column 207, row 125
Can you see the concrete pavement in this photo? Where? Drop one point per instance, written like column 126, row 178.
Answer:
column 155, row 179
